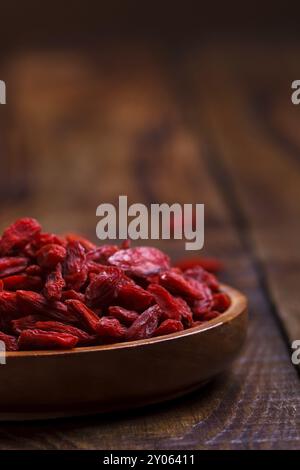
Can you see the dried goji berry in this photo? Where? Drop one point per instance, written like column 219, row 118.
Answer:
column 200, row 275
column 123, row 315
column 111, row 328
column 11, row 343
column 169, row 305
column 74, row 268
column 203, row 306
column 12, row 265
column 145, row 325
column 178, row 285
column 168, row 326
column 22, row 281
column 102, row 289
column 210, row 315
column 87, row 244
column 85, row 316
column 32, row 302
column 33, row 270
column 24, row 323
column 40, row 339
column 102, row 253
column 8, row 308
column 96, row 268
column 72, row 294
column 84, row 338
column 50, row 255
column 125, row 244
column 18, row 235
column 221, row 302
column 42, row 239
column 133, row 297
column 54, row 284
column 29, row 250
column 186, row 312
column 140, row 261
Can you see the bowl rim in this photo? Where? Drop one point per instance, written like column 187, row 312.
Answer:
column 238, row 305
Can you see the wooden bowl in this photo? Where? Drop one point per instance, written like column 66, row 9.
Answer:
column 49, row 384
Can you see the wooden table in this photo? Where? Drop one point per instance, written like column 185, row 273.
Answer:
column 210, row 123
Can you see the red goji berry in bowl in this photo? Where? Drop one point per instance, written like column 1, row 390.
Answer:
column 91, row 328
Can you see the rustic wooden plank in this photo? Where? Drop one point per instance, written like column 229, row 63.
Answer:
column 257, row 163
column 150, row 151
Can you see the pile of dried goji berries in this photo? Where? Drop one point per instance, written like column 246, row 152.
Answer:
column 64, row 292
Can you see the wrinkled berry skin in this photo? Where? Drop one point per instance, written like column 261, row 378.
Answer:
column 140, row 261
column 50, row 255
column 17, row 235
column 145, row 325
column 102, row 289
column 40, row 339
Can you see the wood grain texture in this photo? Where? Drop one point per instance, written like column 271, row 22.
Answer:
column 250, row 125
column 127, row 122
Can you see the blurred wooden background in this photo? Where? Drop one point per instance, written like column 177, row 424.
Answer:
column 164, row 112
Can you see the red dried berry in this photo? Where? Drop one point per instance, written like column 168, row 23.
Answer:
column 111, row 328
column 50, row 255
column 32, row 302
column 133, row 297
column 140, row 261
column 125, row 244
column 186, row 312
column 74, row 268
column 12, row 265
column 33, row 270
column 83, row 337
column 102, row 289
column 8, row 308
column 145, row 325
column 221, row 302
column 178, row 285
column 24, row 323
column 39, row 339
column 10, row 342
column 18, row 235
column 200, row 275
column 210, row 315
column 201, row 309
column 96, row 268
column 54, row 284
column 22, row 281
column 203, row 306
column 102, row 253
column 169, row 305
column 168, row 326
column 72, row 294
column 42, row 239
column 29, row 250
column 85, row 316
column 87, row 244
column 127, row 317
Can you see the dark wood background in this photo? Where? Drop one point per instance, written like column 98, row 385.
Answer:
column 203, row 116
